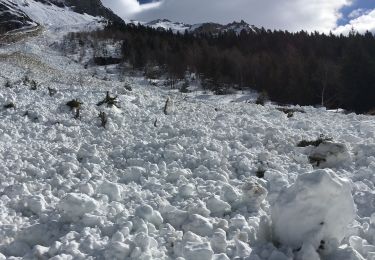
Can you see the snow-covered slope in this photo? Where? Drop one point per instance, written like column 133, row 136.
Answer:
column 18, row 14
column 205, row 177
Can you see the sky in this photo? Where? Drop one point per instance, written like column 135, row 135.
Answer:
column 338, row 16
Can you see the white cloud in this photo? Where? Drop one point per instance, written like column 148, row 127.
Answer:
column 127, row 8
column 363, row 23
column 293, row 15
column 358, row 12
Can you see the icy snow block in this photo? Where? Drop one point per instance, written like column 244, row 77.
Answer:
column 329, row 154
column 315, row 210
column 75, row 205
column 217, row 206
column 199, row 225
column 198, row 251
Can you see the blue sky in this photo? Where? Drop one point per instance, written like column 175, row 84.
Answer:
column 338, row 16
column 346, row 11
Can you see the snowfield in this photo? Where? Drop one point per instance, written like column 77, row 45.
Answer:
column 208, row 179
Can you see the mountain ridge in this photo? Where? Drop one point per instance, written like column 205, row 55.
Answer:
column 201, row 28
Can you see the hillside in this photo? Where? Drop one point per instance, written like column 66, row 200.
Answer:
column 156, row 174
column 20, row 14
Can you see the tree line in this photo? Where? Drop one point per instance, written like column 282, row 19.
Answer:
column 295, row 68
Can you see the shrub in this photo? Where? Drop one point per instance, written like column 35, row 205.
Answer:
column 110, row 101
column 10, row 105
column 103, row 118
column 185, row 87
column 74, row 104
column 128, row 87
column 8, row 84
column 316, row 143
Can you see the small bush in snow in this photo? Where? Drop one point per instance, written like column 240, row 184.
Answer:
column 26, row 80
column 290, row 111
column 110, row 101
column 51, row 91
column 74, row 104
column 8, row 84
column 316, row 143
column 104, row 119
column 260, row 172
column 33, row 85
column 185, row 87
column 128, row 87
column 10, row 105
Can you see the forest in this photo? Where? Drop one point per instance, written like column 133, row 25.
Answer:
column 334, row 71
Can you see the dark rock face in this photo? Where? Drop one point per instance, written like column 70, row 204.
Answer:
column 91, row 7
column 12, row 19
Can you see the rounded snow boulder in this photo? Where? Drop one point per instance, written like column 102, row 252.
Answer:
column 75, row 205
column 315, row 210
column 330, row 154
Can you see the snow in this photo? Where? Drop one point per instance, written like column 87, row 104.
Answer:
column 315, row 210
column 47, row 15
column 168, row 25
column 185, row 189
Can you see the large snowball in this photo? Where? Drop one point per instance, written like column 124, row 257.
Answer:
column 316, row 210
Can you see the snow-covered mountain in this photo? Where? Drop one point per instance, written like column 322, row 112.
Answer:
column 213, row 28
column 166, row 24
column 22, row 14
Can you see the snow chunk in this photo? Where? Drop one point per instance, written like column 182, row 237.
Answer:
column 36, row 204
column 219, row 241
column 117, row 250
column 75, row 205
column 113, row 190
column 146, row 212
column 198, row 251
column 329, row 154
column 217, row 206
column 133, row 174
column 316, row 209
column 199, row 225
